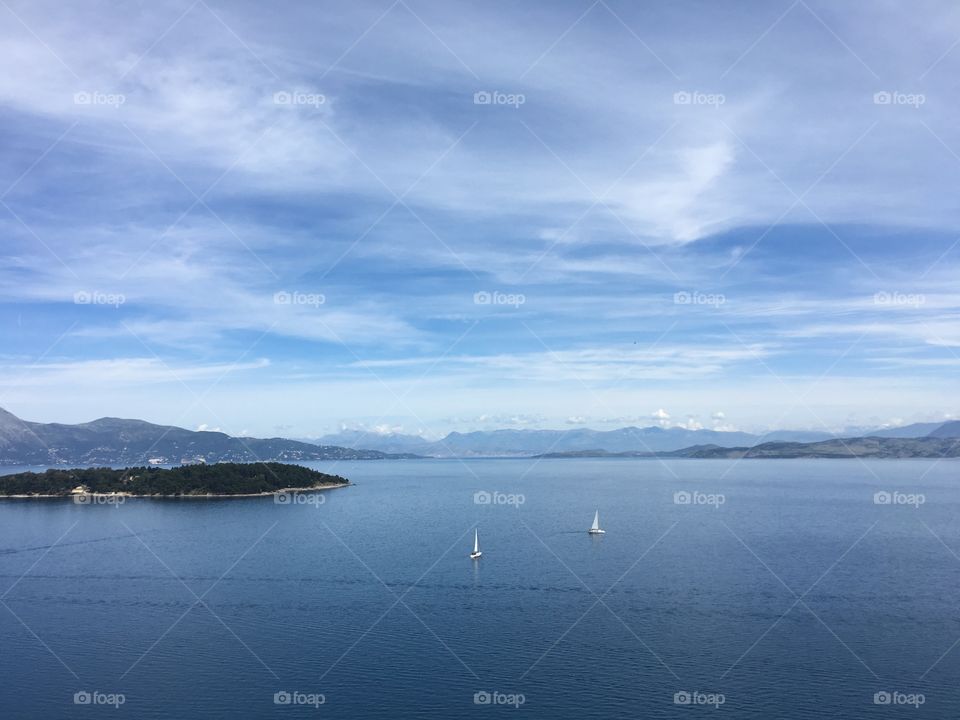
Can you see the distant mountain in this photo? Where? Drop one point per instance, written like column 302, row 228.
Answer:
column 946, row 430
column 916, row 430
column 114, row 441
column 524, row 443
column 625, row 442
column 867, row 447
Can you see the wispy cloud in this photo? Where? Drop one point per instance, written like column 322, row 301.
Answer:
column 700, row 195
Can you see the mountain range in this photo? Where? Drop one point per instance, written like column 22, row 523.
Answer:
column 931, row 446
column 838, row 448
column 654, row 439
column 115, row 441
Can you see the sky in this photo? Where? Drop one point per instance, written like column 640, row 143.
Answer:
column 422, row 216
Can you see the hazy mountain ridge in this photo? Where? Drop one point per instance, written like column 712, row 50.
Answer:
column 947, row 430
column 915, row 430
column 630, row 440
column 135, row 442
column 865, row 447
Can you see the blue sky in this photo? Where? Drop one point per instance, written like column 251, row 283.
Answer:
column 291, row 218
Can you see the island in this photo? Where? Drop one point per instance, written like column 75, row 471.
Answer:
column 219, row 480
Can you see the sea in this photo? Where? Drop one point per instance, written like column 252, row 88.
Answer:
column 743, row 589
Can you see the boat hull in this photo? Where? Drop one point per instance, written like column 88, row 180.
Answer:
column 597, row 532
column 475, row 555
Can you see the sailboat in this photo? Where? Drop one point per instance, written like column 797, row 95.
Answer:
column 476, row 546
column 595, row 528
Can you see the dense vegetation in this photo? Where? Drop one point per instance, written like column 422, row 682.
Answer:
column 219, row 479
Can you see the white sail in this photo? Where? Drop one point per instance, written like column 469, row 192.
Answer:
column 595, row 528
column 476, row 541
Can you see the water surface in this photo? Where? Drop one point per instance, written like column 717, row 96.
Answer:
column 783, row 589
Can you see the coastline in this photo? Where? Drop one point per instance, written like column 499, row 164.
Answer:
column 199, row 496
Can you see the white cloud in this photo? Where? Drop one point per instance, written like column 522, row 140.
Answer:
column 297, row 197
column 384, row 429
column 691, row 423
column 661, row 417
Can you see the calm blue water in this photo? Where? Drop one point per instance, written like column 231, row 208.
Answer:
column 370, row 600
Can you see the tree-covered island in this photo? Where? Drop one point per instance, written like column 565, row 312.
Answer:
column 221, row 480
